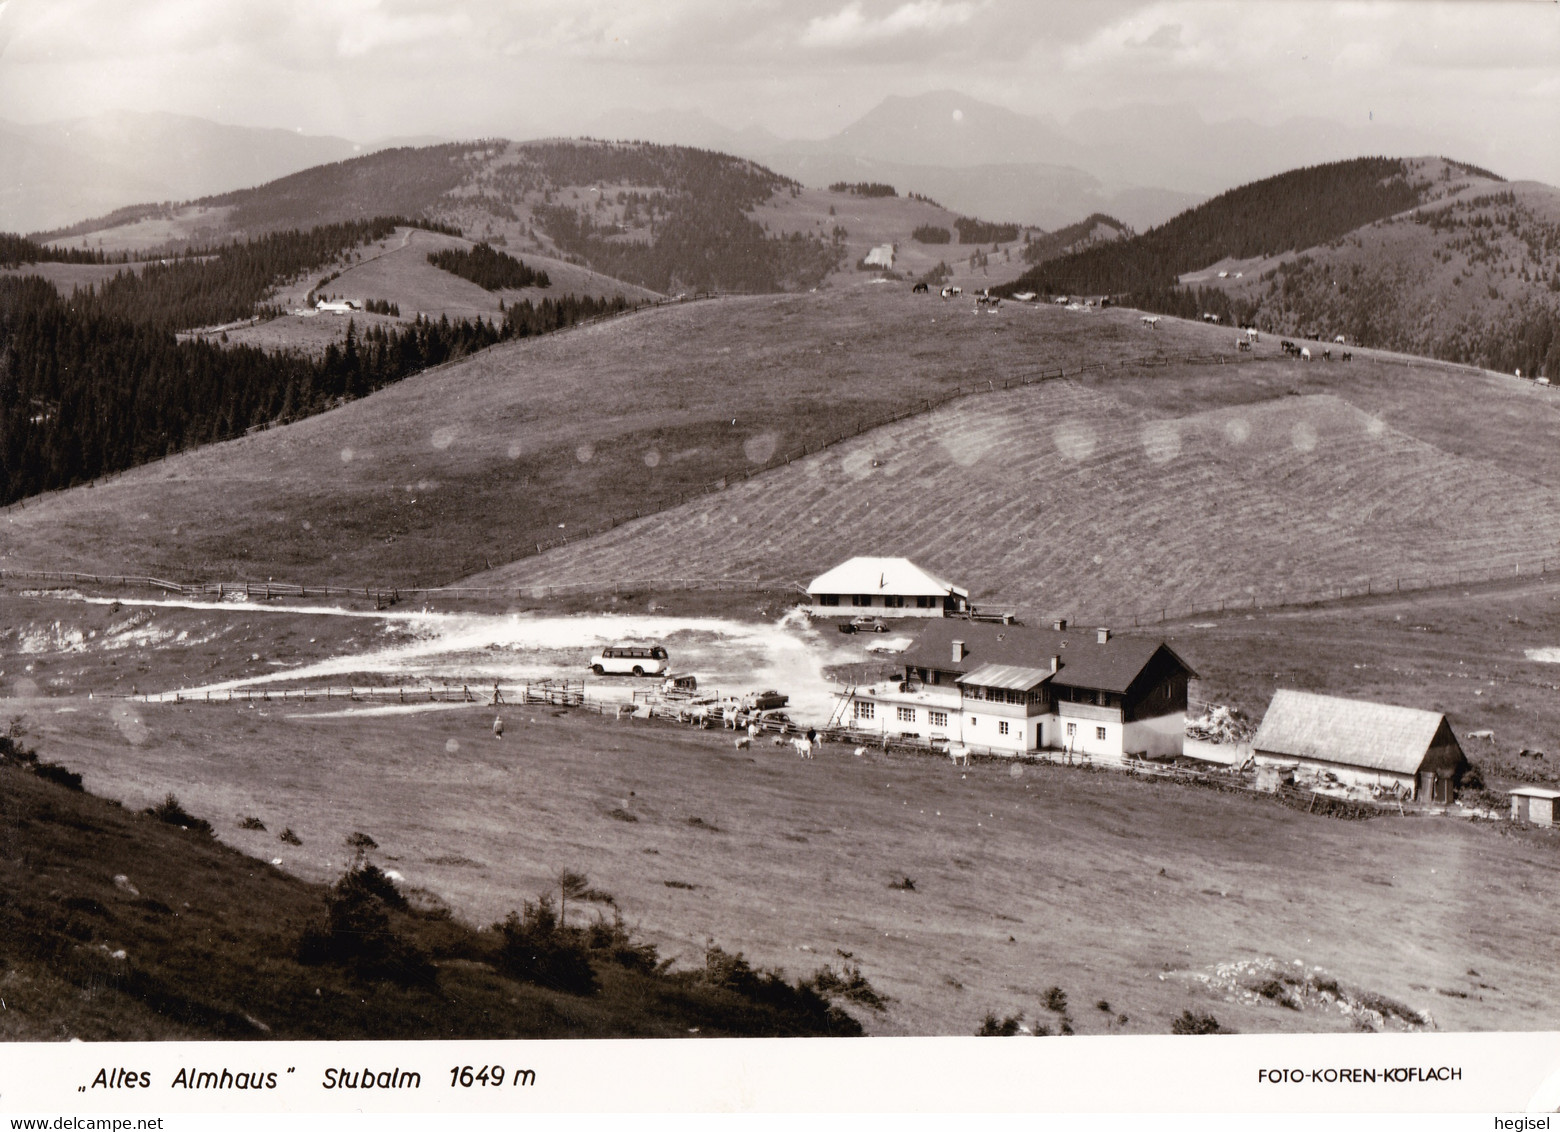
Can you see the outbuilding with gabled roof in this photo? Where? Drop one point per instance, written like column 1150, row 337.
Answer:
column 1409, row 751
column 891, row 587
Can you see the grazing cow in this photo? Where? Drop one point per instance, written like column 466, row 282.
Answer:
column 919, row 288
column 958, row 290
column 960, row 755
column 802, row 748
column 1287, row 346
column 744, row 743
column 859, row 751
column 1340, row 339
column 982, row 300
column 1305, row 353
column 1348, row 356
column 1150, row 320
column 1327, row 355
column 1252, row 335
column 728, row 718
column 995, row 303
column 947, row 292
column 1242, row 346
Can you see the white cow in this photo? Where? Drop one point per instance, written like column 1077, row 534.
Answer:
column 1305, row 353
column 803, row 748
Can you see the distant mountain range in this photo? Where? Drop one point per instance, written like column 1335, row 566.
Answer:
column 1143, row 164
column 59, row 172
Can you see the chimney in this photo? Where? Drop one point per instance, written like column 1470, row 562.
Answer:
column 1060, row 624
column 1102, row 634
column 958, row 651
column 1056, row 664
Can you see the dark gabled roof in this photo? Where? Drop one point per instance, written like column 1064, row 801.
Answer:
column 1111, row 667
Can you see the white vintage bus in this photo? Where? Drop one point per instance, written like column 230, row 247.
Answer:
column 630, row 660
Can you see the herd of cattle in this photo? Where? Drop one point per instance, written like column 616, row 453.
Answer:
column 1304, row 352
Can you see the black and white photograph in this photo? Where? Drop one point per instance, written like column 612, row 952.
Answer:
column 741, row 519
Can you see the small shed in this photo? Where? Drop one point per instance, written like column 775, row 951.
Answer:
column 1360, row 743
column 1534, row 804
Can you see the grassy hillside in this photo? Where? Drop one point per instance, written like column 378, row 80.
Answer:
column 1298, row 209
column 1474, row 277
column 1111, row 888
column 667, row 218
column 117, row 925
column 1120, row 493
column 468, row 466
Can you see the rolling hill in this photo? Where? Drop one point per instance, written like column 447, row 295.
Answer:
column 660, row 218
column 1126, row 492
column 1425, row 256
column 1254, row 478
column 445, row 473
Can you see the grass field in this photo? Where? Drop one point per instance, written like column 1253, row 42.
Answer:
column 456, row 469
column 1136, row 491
column 1112, row 888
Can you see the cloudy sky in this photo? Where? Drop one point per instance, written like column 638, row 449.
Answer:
column 1483, row 75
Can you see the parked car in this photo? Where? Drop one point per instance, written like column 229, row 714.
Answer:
column 763, row 701
column 865, row 624
column 772, row 720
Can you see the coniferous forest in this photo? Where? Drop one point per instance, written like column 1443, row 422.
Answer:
column 99, row 382
column 488, row 268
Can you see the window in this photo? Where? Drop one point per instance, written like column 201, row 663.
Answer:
column 937, row 718
column 1072, row 730
column 861, row 600
column 893, row 601
column 864, row 710
column 828, row 599
column 973, row 721
column 1002, row 728
column 1099, row 733
column 924, row 602
column 907, row 715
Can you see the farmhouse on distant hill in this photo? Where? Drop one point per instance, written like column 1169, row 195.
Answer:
column 896, row 586
column 1409, row 751
column 880, row 256
column 1012, row 690
column 337, row 306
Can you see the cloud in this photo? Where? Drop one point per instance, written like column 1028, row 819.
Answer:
column 851, row 27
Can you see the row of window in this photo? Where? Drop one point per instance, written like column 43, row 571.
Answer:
column 890, row 601
column 866, row 710
column 1003, row 695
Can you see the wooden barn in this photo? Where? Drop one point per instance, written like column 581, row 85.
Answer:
column 889, row 587
column 1534, row 804
column 1327, row 739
